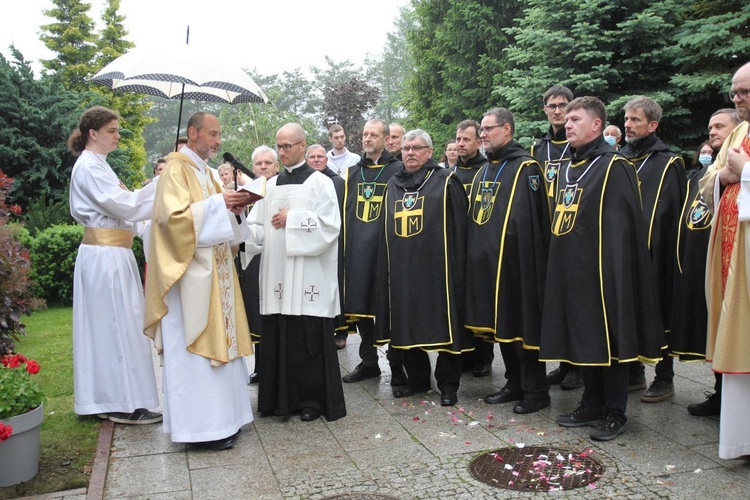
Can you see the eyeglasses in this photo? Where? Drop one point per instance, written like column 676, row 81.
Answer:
column 741, row 93
column 286, row 147
column 488, row 129
column 416, row 149
column 553, row 107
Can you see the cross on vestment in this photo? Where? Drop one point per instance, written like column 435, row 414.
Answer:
column 309, row 225
column 279, row 291
column 312, row 293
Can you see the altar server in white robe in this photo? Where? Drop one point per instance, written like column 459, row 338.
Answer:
column 113, row 373
column 194, row 309
column 296, row 227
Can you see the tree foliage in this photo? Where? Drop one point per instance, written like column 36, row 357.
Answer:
column 36, row 118
column 346, row 105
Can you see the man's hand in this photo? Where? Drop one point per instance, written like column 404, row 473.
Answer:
column 732, row 171
column 278, row 220
column 235, row 201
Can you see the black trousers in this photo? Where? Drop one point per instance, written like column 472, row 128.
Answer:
column 606, row 387
column 523, row 370
column 418, row 368
column 368, row 353
column 664, row 369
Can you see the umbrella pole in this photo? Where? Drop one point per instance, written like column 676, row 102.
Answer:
column 179, row 118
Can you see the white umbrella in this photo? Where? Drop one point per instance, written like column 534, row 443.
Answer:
column 181, row 71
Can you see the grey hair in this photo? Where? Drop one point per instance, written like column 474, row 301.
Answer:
column 417, row 133
column 264, row 149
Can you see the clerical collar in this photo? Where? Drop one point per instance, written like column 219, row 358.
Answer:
column 202, row 165
column 557, row 136
column 291, row 169
column 102, row 157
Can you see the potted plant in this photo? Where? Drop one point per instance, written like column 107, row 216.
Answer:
column 21, row 416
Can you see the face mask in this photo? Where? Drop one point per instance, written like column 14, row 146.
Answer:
column 610, row 139
column 705, row 160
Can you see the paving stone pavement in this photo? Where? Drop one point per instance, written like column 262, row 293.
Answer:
column 416, row 449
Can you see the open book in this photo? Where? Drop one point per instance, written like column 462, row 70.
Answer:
column 256, row 187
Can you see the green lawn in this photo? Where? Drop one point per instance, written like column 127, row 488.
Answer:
column 68, row 441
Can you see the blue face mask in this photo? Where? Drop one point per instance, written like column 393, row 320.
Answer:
column 705, row 160
column 610, row 139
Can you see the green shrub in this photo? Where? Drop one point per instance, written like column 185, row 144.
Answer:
column 53, row 258
column 41, row 214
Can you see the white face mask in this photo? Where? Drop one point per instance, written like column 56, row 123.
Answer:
column 705, row 160
column 610, row 139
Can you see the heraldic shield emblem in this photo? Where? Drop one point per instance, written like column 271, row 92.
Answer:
column 699, row 216
column 484, row 201
column 550, row 175
column 408, row 217
column 369, row 201
column 566, row 209
column 534, row 182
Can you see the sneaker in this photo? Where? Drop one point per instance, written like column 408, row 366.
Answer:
column 608, row 428
column 658, row 391
column 141, row 416
column 637, row 383
column 571, row 381
column 555, row 377
column 579, row 417
column 711, row 406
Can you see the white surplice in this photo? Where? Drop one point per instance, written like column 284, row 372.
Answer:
column 203, row 402
column 112, row 366
column 301, row 279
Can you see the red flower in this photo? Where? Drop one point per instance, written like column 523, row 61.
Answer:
column 32, row 367
column 5, row 431
column 16, row 209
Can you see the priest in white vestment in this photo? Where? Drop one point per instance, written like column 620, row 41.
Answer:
column 113, row 373
column 194, row 309
column 296, row 226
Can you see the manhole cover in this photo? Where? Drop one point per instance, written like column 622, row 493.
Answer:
column 536, row 469
column 360, row 496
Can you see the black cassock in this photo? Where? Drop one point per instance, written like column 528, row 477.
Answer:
column 421, row 286
column 689, row 314
column 600, row 300
column 507, row 242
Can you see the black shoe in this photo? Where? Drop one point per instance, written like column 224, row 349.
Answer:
column 504, row 395
column 556, row 376
column 579, row 417
column 482, row 369
column 658, row 391
column 140, row 416
column 219, row 444
column 448, row 399
column 406, row 391
column 309, row 414
column 360, row 373
column 340, row 344
column 711, row 406
column 531, row 405
column 571, row 381
column 608, row 428
column 253, row 378
column 637, row 383
column 398, row 376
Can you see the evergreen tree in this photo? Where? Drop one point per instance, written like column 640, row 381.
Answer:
column 73, row 40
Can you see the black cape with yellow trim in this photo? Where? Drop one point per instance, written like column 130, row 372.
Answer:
column 466, row 170
column 362, row 225
column 506, row 248
column 662, row 180
column 600, row 302
column 551, row 151
column 689, row 313
column 421, row 292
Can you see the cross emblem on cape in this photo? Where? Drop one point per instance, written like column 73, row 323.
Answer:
column 309, row 225
column 279, row 291
column 312, row 293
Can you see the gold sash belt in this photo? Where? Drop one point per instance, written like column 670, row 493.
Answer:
column 107, row 237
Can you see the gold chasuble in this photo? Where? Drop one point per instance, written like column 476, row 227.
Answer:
column 728, row 342
column 213, row 313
